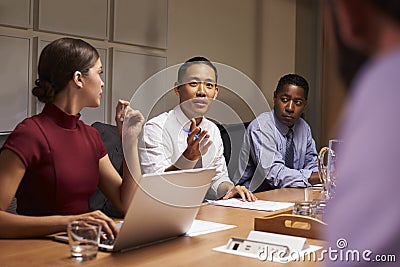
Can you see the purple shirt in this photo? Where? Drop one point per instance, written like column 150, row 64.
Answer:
column 61, row 155
column 365, row 208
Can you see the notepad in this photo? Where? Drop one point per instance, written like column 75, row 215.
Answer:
column 263, row 205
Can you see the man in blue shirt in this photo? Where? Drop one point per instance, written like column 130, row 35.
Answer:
column 278, row 149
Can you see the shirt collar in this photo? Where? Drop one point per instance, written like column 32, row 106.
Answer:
column 61, row 118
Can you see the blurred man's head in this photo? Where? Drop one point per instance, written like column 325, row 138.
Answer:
column 356, row 33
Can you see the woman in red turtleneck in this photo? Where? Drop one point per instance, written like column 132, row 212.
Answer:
column 53, row 162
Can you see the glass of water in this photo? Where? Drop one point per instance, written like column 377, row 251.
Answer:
column 83, row 238
column 305, row 208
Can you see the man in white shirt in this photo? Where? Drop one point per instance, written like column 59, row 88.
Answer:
column 184, row 139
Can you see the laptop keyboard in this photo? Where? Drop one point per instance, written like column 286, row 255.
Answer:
column 108, row 242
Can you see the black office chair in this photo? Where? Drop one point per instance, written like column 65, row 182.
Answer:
column 13, row 206
column 232, row 137
column 3, row 138
column 109, row 135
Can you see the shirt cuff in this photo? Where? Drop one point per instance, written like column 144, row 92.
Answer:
column 215, row 184
column 185, row 164
column 306, row 175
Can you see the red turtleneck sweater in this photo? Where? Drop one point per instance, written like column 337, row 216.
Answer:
column 61, row 155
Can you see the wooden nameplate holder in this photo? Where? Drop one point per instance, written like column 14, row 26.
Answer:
column 284, row 222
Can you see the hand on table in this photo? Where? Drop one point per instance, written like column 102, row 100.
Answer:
column 244, row 193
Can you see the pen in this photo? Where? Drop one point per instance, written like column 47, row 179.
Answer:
column 188, row 132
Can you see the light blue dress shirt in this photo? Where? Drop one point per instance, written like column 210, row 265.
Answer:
column 262, row 158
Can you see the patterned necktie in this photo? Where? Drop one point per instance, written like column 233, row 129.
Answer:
column 289, row 155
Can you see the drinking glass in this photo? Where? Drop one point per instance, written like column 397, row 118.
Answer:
column 313, row 204
column 83, row 238
column 305, row 208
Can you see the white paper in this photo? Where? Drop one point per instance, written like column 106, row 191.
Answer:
column 263, row 205
column 200, row 227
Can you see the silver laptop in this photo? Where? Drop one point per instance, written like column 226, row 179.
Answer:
column 163, row 207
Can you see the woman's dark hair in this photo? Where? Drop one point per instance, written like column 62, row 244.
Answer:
column 57, row 64
column 293, row 79
column 193, row 61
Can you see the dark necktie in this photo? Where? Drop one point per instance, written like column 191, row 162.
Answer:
column 289, row 155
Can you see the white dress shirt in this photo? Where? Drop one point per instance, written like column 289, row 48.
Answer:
column 164, row 140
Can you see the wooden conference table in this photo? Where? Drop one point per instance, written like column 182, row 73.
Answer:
column 182, row 251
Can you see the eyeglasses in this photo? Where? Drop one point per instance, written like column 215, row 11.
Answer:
column 207, row 84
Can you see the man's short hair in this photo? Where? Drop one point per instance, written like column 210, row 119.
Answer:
column 292, row 79
column 193, row 61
